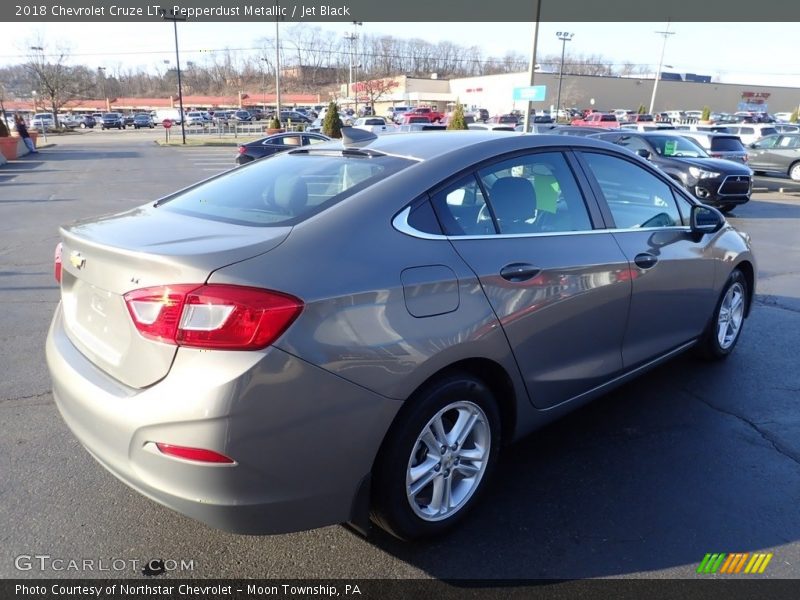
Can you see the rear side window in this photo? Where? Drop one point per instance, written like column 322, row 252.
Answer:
column 283, row 190
column 726, row 144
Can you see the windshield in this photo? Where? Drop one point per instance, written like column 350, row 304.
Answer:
column 285, row 189
column 676, row 146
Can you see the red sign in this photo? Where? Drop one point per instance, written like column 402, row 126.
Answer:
column 167, row 123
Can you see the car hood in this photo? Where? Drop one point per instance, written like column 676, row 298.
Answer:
column 715, row 164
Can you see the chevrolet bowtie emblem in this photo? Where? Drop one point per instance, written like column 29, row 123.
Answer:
column 76, row 260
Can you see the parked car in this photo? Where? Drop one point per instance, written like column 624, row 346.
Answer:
column 143, row 120
column 242, row 116
column 506, row 119
column 720, row 183
column 576, row 131
column 294, row 117
column 602, row 120
column 42, row 121
column 274, row 144
column 195, row 118
column 493, row 126
column 374, row 124
column 112, row 120
column 751, row 132
column 719, row 145
column 86, row 121
column 468, row 119
column 359, row 328
column 777, row 154
column 409, row 118
column 395, row 113
column 425, row 111
column 128, row 119
column 786, row 128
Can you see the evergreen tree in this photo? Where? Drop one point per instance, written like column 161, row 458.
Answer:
column 332, row 125
column 457, row 121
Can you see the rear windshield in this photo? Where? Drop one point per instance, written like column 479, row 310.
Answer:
column 726, row 144
column 283, row 190
column 765, row 131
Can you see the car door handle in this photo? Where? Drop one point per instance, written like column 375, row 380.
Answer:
column 517, row 272
column 645, row 260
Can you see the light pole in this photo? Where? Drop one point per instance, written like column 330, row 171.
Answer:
column 264, row 85
column 666, row 33
column 351, row 37
column 565, row 37
column 171, row 16
column 354, row 62
column 526, row 121
column 101, row 71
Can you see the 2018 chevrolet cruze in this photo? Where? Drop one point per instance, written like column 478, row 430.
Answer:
column 355, row 328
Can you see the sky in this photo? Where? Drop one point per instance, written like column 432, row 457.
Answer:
column 726, row 51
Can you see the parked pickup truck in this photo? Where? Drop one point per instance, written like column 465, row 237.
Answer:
column 598, row 119
column 425, row 111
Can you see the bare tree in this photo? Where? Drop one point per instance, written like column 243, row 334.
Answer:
column 56, row 81
column 374, row 89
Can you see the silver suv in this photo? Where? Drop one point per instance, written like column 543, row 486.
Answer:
column 719, row 145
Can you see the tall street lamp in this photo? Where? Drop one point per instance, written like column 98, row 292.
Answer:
column 565, row 37
column 354, row 62
column 171, row 16
column 264, row 84
column 101, row 72
column 666, row 35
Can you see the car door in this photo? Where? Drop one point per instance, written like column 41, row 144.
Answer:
column 759, row 156
column 558, row 283
column 784, row 152
column 672, row 271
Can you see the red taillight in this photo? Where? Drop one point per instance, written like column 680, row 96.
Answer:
column 216, row 316
column 57, row 262
column 196, row 454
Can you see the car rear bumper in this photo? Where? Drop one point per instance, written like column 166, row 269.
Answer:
column 302, row 438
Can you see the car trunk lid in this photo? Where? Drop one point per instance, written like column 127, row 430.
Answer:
column 145, row 247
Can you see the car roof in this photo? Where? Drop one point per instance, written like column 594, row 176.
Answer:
column 427, row 145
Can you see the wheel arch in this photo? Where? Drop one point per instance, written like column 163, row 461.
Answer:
column 747, row 269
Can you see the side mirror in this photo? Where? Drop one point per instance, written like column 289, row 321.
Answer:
column 645, row 154
column 705, row 219
column 753, row 145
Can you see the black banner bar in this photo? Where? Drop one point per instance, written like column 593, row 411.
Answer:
column 405, row 11
column 709, row 588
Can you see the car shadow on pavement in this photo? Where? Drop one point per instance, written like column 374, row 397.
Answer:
column 766, row 210
column 652, row 476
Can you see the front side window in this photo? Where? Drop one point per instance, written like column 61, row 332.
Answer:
column 635, row 197
column 768, row 142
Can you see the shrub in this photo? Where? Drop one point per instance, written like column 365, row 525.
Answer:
column 457, row 121
column 332, row 125
column 642, row 110
column 706, row 114
column 795, row 115
column 274, row 123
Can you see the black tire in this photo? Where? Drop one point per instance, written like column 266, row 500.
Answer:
column 710, row 346
column 455, row 395
column 726, row 208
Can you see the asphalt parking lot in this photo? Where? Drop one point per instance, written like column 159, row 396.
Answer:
column 689, row 459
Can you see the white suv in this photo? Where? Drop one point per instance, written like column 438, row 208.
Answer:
column 750, row 132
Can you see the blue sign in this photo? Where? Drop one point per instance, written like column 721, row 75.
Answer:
column 531, row 93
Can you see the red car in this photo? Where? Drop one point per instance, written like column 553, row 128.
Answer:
column 598, row 119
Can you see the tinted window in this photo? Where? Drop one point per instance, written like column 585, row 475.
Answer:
column 422, row 218
column 636, row 197
column 768, row 131
column 726, row 144
column 768, row 142
column 674, row 145
column 535, row 193
column 461, row 209
column 282, row 190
